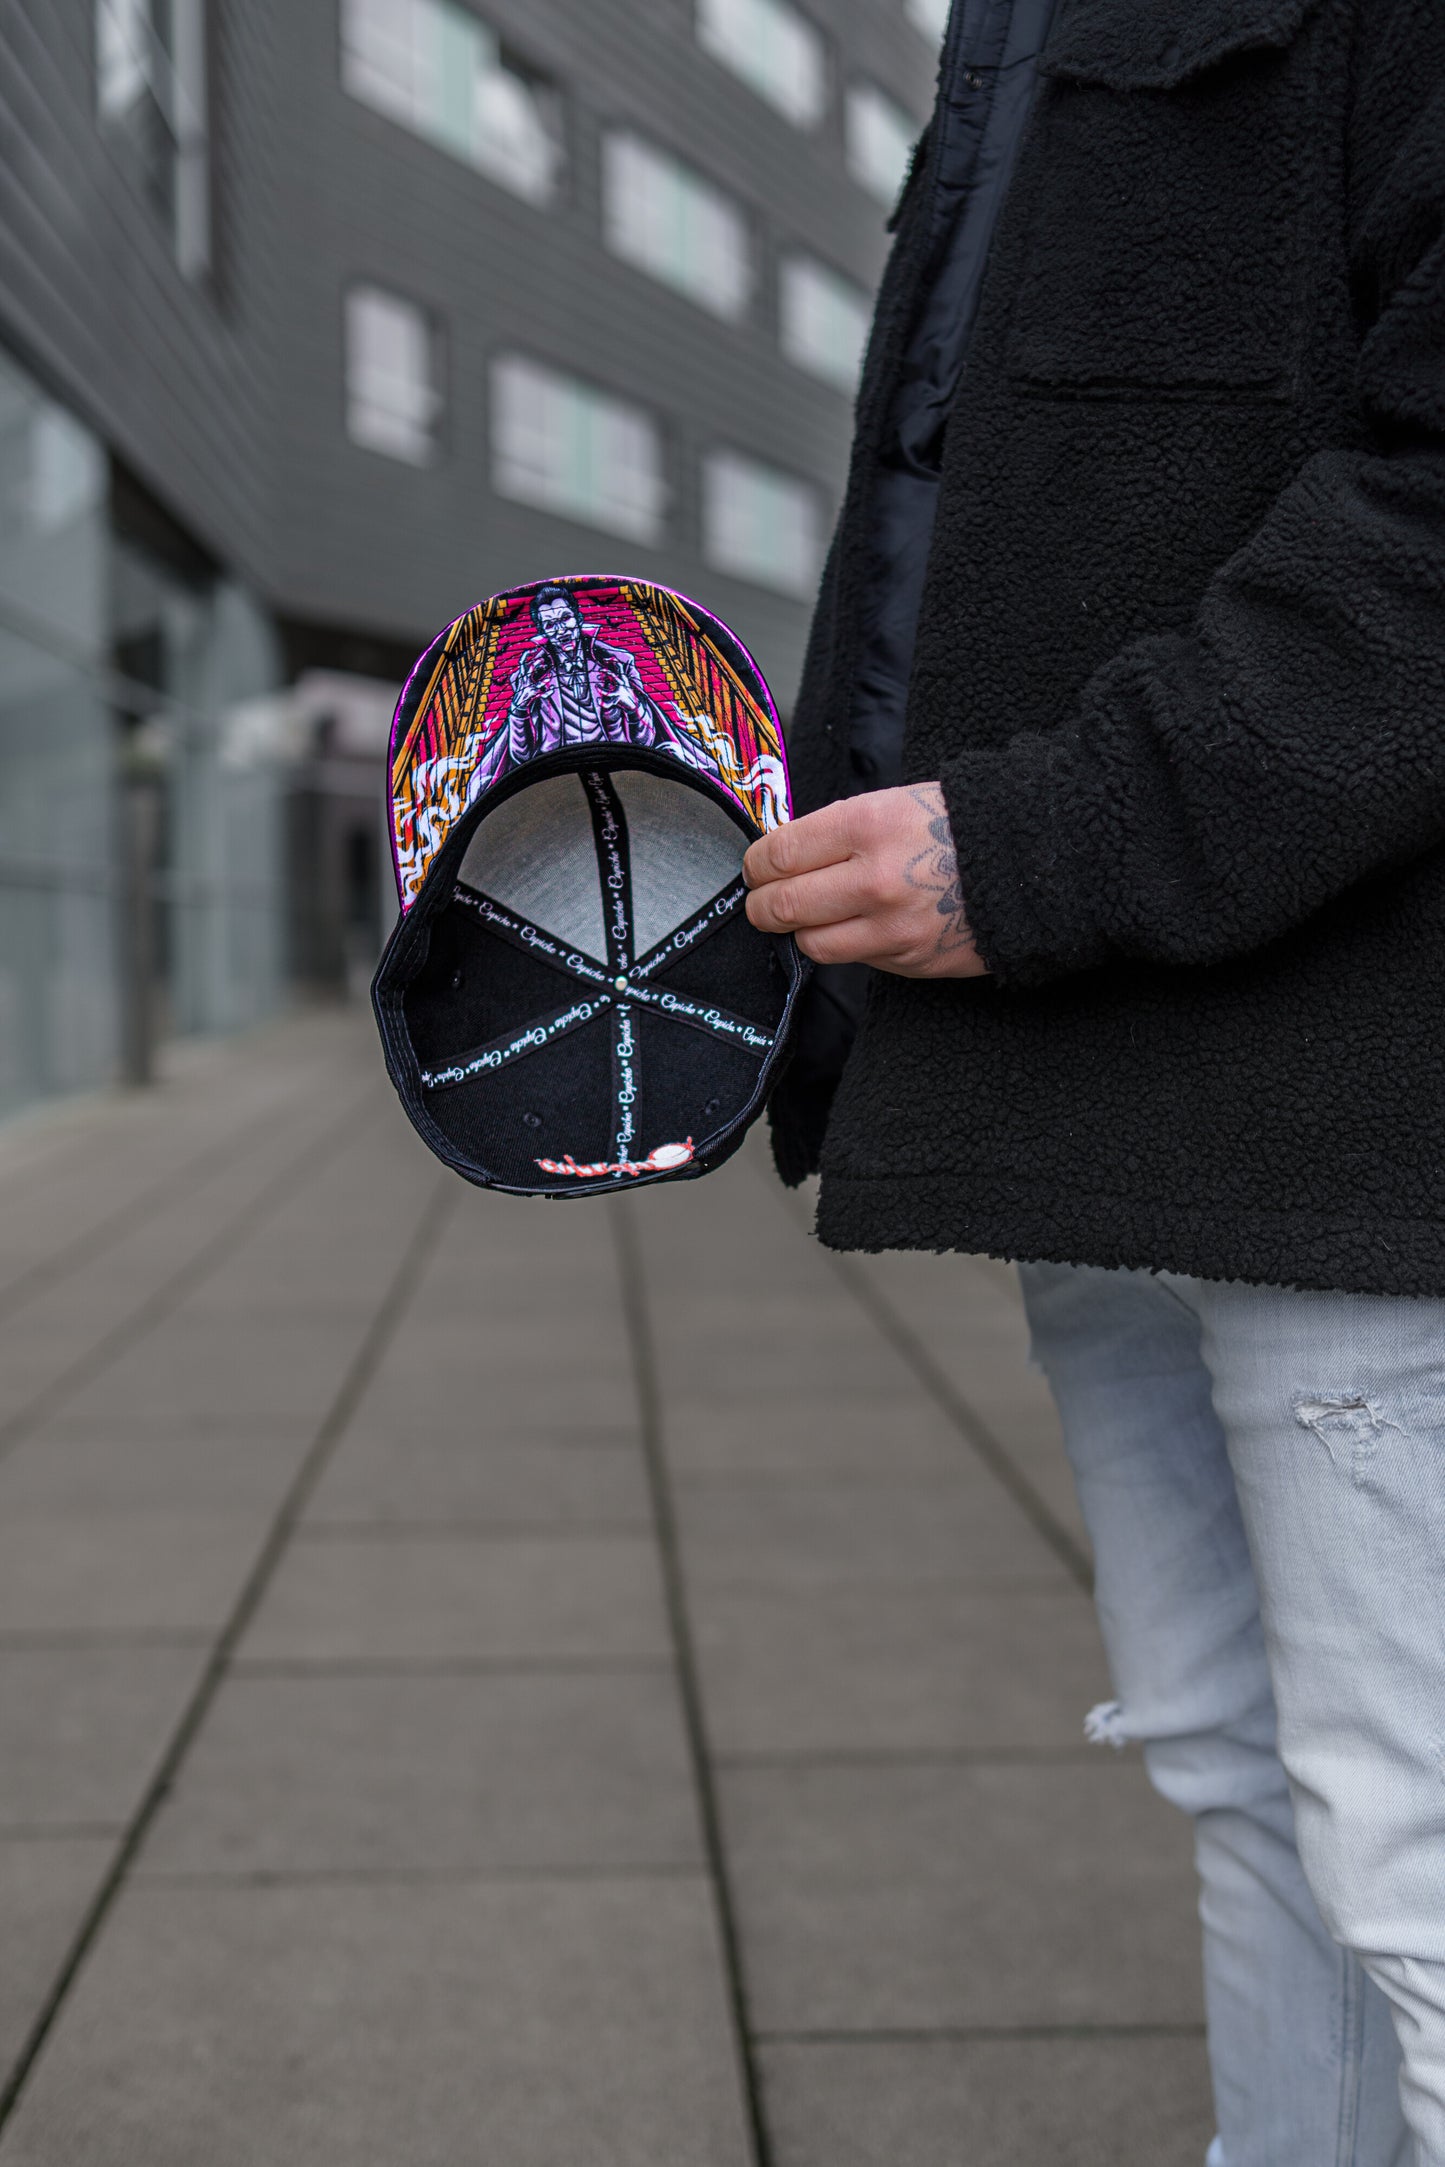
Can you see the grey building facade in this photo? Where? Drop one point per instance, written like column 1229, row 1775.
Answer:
column 318, row 320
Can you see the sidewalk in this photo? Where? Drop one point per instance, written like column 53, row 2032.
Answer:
column 535, row 1686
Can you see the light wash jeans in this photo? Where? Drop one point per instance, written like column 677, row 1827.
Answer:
column 1263, row 1477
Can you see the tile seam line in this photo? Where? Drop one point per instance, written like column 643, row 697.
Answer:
column 632, row 1285
column 129, row 1217
column 386, row 1319
column 302, row 1668
column 61, row 1832
column 970, row 2034
column 160, row 1304
column 83, row 1639
column 884, row 1758
column 152, row 1878
column 903, row 1587
column 969, row 1424
column 338, row 1534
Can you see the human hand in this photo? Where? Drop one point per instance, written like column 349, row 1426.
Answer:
column 871, row 879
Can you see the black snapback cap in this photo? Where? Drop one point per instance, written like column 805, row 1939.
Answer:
column 573, row 998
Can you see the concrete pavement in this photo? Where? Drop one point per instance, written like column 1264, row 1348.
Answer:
column 541, row 1687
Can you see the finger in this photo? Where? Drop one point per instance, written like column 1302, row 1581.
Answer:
column 848, row 890
column 851, row 940
column 800, row 846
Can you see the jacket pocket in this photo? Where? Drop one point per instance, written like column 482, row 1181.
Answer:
column 1166, row 187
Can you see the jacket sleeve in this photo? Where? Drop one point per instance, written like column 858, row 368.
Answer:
column 1211, row 791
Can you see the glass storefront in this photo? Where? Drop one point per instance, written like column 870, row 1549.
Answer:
column 142, row 787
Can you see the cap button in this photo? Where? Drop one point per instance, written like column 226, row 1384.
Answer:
column 621, row 984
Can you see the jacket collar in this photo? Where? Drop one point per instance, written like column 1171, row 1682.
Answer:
column 1158, row 44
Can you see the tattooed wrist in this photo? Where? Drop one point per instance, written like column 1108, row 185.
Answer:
column 935, row 872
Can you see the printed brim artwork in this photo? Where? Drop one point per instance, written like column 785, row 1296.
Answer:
column 573, row 999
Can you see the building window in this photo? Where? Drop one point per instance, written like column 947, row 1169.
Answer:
column 393, row 394
column 439, row 71
column 150, row 72
column 825, row 320
column 760, row 524
column 930, row 17
column 572, row 450
column 880, row 140
column 775, row 50
column 660, row 215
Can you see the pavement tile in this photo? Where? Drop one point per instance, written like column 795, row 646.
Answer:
column 440, row 1598
column 1037, row 1451
column 345, row 1275
column 46, row 1887
column 926, row 1896
column 119, row 1422
column 78, row 1467
column 969, row 1314
column 949, row 1293
column 140, row 1571
column 829, row 1437
column 71, row 1166
column 798, row 1536
column 990, row 2103
column 490, row 1944
column 896, row 1668
column 281, row 1368
column 487, row 1231
column 319, row 1774
column 457, row 1393
column 101, row 1291
column 468, row 1413
column 479, row 1344
column 326, row 1250
column 548, row 1304
column 103, row 1287
column 777, row 1358
column 517, row 2025
column 414, row 1476
column 82, row 1729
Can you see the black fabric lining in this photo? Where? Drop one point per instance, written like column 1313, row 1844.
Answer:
column 617, row 991
column 546, row 947
column 705, row 1016
column 624, row 1077
column 514, row 1045
column 724, row 905
column 614, row 872
column 989, row 65
column 614, row 866
column 536, row 941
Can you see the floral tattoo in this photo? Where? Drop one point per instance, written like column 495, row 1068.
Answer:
column 935, row 872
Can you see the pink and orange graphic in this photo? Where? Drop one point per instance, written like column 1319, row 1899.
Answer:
column 571, row 663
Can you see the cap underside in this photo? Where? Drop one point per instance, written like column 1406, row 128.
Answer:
column 594, row 1004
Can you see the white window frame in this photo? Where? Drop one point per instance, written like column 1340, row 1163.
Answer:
column 773, row 47
column 869, row 110
column 664, row 217
column 396, row 414
column 823, row 357
column 132, row 65
column 442, row 72
column 727, row 549
column 548, row 426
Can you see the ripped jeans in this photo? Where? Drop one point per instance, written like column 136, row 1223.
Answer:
column 1263, row 1476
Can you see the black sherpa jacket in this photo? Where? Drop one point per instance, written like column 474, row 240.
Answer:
column 1181, row 669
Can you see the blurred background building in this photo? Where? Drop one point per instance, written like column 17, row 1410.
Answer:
column 321, row 318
